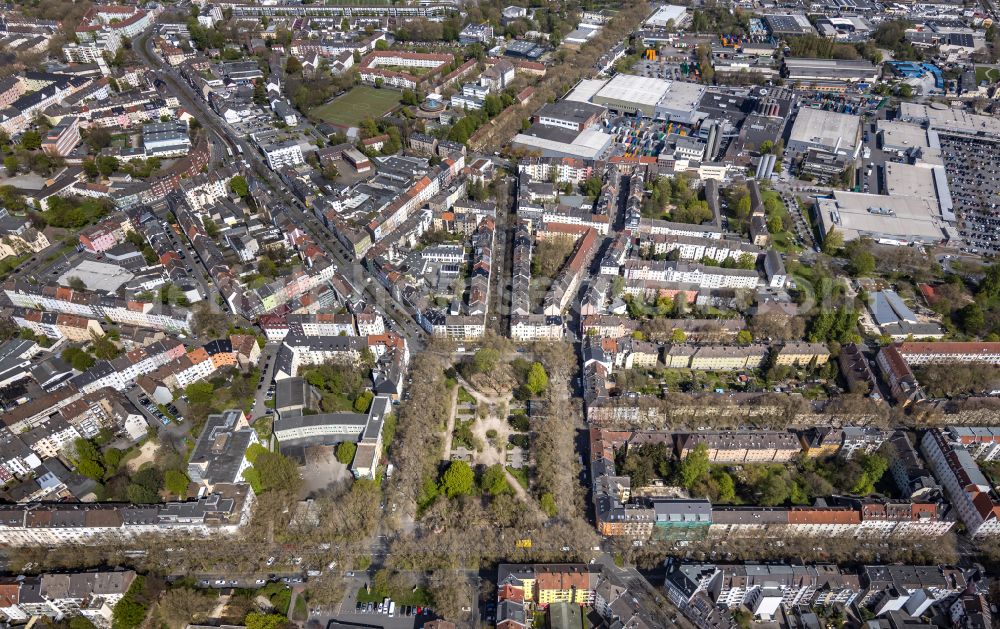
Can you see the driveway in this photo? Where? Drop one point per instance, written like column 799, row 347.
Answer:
column 266, row 373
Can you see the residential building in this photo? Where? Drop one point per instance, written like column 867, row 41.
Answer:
column 761, row 588
column 922, row 353
column 911, row 476
column 896, row 371
column 728, row 357
column 219, row 455
column 802, row 354
column 280, row 154
column 911, row 589
column 543, row 584
column 749, row 446
column 963, row 482
column 62, row 138
column 92, row 595
column 861, row 439
column 33, row 524
column 983, row 442
column 858, row 372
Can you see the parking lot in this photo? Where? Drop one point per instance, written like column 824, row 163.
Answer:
column 368, row 615
column 154, row 410
column 376, row 620
column 973, row 167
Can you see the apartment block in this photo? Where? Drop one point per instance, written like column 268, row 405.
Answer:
column 802, row 354
column 911, row 476
column 63, row 138
column 896, row 371
column 543, row 584
column 963, row 482
column 92, row 595
column 763, row 588
column 861, row 439
column 281, row 154
column 983, row 442
column 220, row 453
column 924, row 353
column 34, row 524
column 912, row 589
column 728, row 357
column 750, row 446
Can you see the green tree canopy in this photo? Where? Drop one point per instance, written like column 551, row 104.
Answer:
column 972, row 319
column 726, row 485
column 202, row 392
column 364, row 401
column 176, row 482
column 458, row 479
column 77, row 358
column 833, row 241
column 277, row 473
column 591, row 187
column 548, row 505
column 257, row 620
column 494, row 481
column 345, row 452
column 130, row 611
column 31, row 140
column 238, row 184
column 695, row 466
column 485, row 360
column 538, row 380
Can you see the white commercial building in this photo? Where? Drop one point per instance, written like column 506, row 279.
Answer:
column 668, row 14
column 827, row 131
column 887, row 219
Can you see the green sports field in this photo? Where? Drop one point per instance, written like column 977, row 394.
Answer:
column 356, row 105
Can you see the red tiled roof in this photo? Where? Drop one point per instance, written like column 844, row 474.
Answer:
column 949, row 347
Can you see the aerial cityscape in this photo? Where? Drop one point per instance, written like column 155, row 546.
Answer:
column 568, row 314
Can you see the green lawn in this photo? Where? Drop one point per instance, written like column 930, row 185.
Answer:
column 520, row 474
column 420, row 596
column 987, row 74
column 785, row 242
column 356, row 105
column 465, row 396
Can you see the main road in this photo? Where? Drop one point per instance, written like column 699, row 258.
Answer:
column 348, row 266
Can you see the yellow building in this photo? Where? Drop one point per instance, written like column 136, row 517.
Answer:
column 728, row 357
column 801, row 354
column 544, row 584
